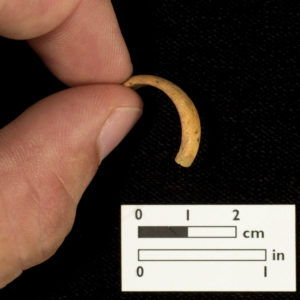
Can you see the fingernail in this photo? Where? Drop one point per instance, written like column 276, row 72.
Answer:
column 116, row 127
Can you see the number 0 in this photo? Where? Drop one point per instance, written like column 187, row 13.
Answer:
column 138, row 214
column 140, row 271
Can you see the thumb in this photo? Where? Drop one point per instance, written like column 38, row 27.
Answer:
column 48, row 156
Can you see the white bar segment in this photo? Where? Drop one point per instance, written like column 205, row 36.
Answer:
column 202, row 254
column 212, row 231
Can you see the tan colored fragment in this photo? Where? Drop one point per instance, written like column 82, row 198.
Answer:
column 189, row 118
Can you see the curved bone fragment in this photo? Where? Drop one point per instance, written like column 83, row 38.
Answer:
column 189, row 118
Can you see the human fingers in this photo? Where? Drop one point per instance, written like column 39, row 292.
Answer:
column 87, row 47
column 48, row 156
column 80, row 41
column 24, row 19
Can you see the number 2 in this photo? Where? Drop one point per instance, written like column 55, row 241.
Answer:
column 236, row 216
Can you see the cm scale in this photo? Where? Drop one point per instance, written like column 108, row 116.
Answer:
column 208, row 248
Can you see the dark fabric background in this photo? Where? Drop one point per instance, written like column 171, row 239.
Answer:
column 237, row 61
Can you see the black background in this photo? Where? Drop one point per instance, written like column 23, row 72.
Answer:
column 237, row 61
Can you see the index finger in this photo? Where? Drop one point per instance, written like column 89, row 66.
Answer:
column 87, row 47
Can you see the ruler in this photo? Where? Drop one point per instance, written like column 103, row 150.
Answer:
column 208, row 248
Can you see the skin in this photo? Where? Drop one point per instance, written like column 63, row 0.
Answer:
column 51, row 152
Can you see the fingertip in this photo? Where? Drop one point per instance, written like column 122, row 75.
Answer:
column 87, row 48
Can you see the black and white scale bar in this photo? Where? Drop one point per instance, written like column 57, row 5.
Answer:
column 187, row 231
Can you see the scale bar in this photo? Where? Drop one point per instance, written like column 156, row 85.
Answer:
column 202, row 254
column 187, row 231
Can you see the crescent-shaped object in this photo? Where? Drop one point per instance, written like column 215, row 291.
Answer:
column 189, row 118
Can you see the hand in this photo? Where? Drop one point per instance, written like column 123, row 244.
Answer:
column 50, row 153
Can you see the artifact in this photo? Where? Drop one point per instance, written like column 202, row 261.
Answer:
column 189, row 118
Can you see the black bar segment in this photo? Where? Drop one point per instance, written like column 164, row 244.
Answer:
column 162, row 231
